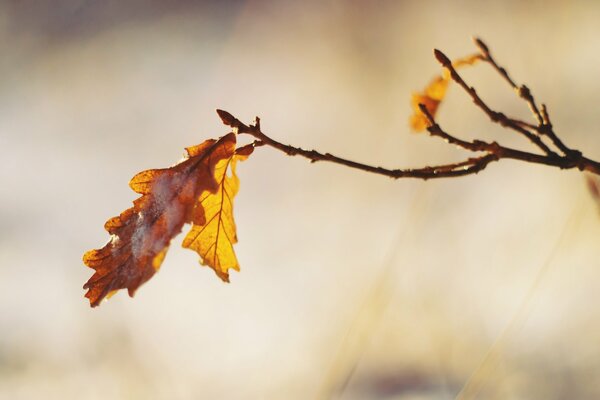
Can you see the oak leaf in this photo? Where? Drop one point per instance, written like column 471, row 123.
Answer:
column 140, row 235
column 214, row 233
column 433, row 94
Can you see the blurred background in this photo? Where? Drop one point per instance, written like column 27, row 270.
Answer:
column 353, row 286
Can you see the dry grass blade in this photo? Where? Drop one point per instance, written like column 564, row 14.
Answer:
column 476, row 382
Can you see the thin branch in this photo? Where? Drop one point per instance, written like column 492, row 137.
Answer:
column 523, row 91
column 544, row 126
column 547, row 129
column 524, row 124
column 494, row 148
column 485, row 52
column 496, row 117
column 467, row 167
column 493, row 151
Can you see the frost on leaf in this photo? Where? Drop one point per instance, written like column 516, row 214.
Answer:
column 432, row 96
column 140, row 235
column 213, row 234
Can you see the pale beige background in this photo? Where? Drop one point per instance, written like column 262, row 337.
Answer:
column 353, row 286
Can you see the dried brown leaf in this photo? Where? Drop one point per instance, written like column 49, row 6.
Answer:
column 140, row 235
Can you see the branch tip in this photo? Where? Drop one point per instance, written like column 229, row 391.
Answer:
column 481, row 46
column 442, row 58
column 227, row 118
column 545, row 115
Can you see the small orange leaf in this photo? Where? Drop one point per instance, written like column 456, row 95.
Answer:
column 431, row 97
column 214, row 235
column 141, row 235
column 434, row 94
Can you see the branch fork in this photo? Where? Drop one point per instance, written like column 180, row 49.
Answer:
column 555, row 153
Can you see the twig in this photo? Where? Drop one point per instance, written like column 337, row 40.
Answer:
column 547, row 129
column 523, row 91
column 493, row 151
column 496, row 117
column 470, row 166
column 491, row 148
column 467, row 167
column 544, row 126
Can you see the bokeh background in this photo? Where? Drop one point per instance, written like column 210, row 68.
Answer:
column 353, row 286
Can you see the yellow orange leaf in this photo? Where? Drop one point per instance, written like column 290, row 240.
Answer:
column 214, row 233
column 431, row 97
column 434, row 93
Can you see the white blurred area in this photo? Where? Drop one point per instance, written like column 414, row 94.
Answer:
column 353, row 286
